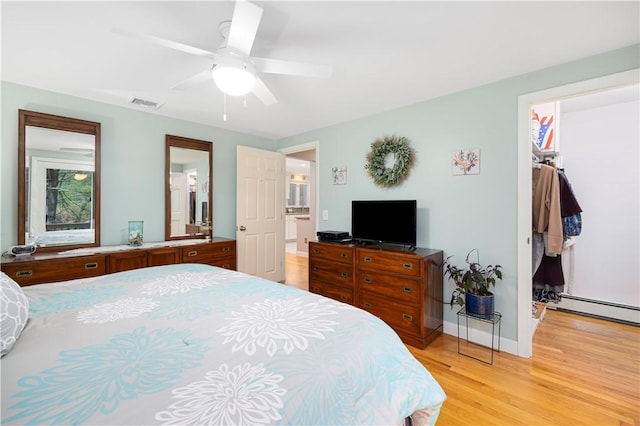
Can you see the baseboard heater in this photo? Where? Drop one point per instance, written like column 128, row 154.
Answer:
column 599, row 309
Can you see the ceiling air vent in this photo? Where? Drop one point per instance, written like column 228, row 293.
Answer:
column 143, row 103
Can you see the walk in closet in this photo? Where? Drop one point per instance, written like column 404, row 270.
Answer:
column 585, row 202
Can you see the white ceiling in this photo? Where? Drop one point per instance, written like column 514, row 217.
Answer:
column 384, row 54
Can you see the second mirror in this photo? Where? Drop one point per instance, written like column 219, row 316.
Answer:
column 188, row 207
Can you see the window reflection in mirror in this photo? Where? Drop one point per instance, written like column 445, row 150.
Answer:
column 59, row 191
column 188, row 188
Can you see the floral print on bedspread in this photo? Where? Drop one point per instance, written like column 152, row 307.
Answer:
column 242, row 395
column 124, row 308
column 97, row 378
column 288, row 323
column 73, row 299
column 185, row 281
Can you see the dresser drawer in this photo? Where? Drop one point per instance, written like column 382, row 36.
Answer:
column 389, row 262
column 61, row 269
column 331, row 252
column 402, row 318
column 127, row 260
column 208, row 253
column 333, row 273
column 163, row 256
column 340, row 294
column 406, row 290
column 226, row 263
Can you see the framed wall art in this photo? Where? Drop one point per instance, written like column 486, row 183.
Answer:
column 339, row 175
column 466, row 162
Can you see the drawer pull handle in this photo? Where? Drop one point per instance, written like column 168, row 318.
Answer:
column 343, row 254
column 367, row 305
column 192, row 253
column 226, row 266
column 226, row 248
column 407, row 317
column 315, row 268
column 368, row 280
column 407, row 266
column 316, row 289
column 407, row 290
column 92, row 265
column 316, row 250
column 368, row 259
column 343, row 298
column 22, row 274
column 344, row 274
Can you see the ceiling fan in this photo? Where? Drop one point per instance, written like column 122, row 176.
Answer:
column 235, row 72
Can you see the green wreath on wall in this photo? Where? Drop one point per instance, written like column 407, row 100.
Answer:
column 403, row 157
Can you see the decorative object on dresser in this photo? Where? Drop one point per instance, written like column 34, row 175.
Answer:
column 402, row 286
column 136, row 233
column 473, row 285
column 85, row 263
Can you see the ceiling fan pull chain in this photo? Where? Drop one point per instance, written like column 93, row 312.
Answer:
column 224, row 113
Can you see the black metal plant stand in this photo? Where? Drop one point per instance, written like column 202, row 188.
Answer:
column 494, row 320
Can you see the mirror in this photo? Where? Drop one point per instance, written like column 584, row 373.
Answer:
column 188, row 188
column 59, row 181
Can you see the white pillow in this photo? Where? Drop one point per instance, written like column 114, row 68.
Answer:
column 14, row 310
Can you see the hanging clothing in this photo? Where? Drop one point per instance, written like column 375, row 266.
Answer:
column 570, row 210
column 556, row 218
column 546, row 207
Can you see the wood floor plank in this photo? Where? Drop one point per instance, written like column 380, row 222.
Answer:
column 584, row 371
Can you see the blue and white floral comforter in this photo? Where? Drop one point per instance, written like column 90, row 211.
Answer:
column 194, row 344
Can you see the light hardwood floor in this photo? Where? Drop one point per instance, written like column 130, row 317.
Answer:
column 584, row 371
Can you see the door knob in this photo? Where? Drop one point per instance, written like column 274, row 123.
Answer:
column 242, row 228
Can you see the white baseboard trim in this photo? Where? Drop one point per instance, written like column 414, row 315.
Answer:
column 480, row 333
column 595, row 308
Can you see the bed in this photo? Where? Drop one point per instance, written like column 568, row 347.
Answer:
column 196, row 344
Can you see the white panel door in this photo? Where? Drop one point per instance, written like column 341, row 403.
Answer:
column 178, row 189
column 260, row 213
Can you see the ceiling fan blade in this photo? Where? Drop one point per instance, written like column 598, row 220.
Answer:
column 263, row 93
column 244, row 25
column 165, row 43
column 277, row 66
column 194, row 80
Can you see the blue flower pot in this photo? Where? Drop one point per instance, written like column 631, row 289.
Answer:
column 479, row 306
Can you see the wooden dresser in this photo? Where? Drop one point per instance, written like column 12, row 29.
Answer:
column 50, row 267
column 403, row 287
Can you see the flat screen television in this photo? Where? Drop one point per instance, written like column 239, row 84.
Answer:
column 384, row 221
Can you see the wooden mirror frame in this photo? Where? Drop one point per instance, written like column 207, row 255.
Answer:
column 187, row 143
column 55, row 122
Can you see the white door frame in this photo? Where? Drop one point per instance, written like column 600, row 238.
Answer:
column 525, row 102
column 315, row 145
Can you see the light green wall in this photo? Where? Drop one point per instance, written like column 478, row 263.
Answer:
column 133, row 146
column 455, row 213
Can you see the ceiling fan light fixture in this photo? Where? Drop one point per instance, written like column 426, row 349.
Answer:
column 233, row 81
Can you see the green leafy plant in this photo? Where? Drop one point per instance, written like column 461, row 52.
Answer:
column 397, row 149
column 475, row 278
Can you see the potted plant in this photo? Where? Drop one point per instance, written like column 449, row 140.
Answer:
column 473, row 285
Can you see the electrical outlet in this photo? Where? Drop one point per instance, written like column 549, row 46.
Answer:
column 325, row 214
